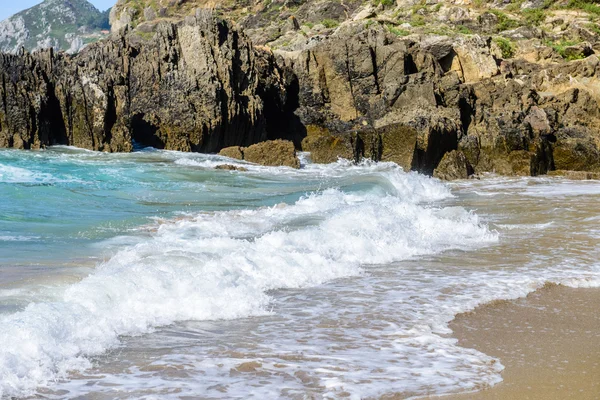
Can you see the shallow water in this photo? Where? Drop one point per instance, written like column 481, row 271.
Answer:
column 152, row 275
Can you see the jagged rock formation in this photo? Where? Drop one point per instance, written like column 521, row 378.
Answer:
column 196, row 86
column 263, row 20
column 359, row 85
column 538, row 31
column 512, row 117
column 61, row 24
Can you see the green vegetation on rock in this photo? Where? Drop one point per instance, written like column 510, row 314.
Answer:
column 387, row 3
column 534, row 16
column 504, row 21
column 329, row 23
column 61, row 24
column 397, row 31
column 589, row 6
column 564, row 49
column 506, row 47
column 464, row 30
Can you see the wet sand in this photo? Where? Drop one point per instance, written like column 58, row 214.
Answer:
column 549, row 343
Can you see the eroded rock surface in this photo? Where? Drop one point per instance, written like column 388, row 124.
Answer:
column 454, row 165
column 199, row 85
column 513, row 118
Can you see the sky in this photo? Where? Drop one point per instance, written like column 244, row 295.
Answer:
column 8, row 7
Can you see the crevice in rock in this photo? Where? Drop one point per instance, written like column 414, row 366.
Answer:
column 440, row 142
column 4, row 95
column 54, row 131
column 323, row 85
column 409, row 65
column 466, row 114
column 375, row 68
column 144, row 133
column 349, row 76
column 446, row 61
column 86, row 107
column 358, row 146
column 281, row 122
column 239, row 79
column 33, row 127
column 307, row 63
column 223, row 32
column 110, row 115
column 212, row 144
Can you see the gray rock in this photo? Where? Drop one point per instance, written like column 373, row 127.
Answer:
column 149, row 14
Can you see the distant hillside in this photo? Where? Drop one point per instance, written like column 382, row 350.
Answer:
column 62, row 24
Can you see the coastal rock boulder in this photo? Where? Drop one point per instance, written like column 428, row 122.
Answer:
column 326, row 148
column 504, row 116
column 394, row 143
column 475, row 58
column 273, row 153
column 454, row 165
column 235, row 152
column 229, row 167
column 360, row 81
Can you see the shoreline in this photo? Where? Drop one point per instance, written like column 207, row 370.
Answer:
column 549, row 343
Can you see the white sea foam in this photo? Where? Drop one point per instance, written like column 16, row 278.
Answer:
column 384, row 333
column 211, row 162
column 17, row 238
column 391, row 341
column 221, row 265
column 586, row 282
column 564, row 189
column 11, row 174
column 511, row 227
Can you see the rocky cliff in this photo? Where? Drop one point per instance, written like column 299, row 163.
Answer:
column 447, row 88
column 362, row 89
column 61, row 24
column 196, row 86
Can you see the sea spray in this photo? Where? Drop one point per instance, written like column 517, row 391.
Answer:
column 221, row 265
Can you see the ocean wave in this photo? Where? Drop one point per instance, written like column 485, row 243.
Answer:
column 11, row 174
column 222, row 265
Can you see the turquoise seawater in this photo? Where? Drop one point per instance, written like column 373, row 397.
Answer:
column 154, row 275
column 54, row 204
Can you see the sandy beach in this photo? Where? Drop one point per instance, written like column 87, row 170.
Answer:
column 549, row 343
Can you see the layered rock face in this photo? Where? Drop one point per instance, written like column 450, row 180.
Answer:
column 198, row 85
column 508, row 117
